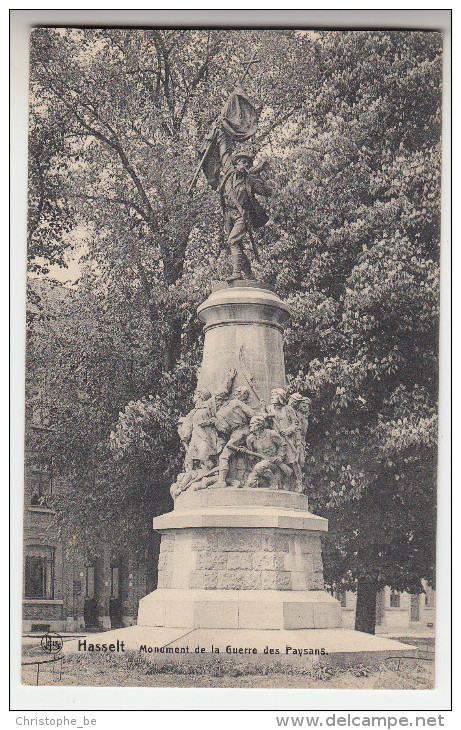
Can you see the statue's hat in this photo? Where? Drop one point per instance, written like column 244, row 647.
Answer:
column 247, row 151
column 297, row 397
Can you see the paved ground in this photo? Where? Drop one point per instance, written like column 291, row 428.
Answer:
column 265, row 645
column 417, row 632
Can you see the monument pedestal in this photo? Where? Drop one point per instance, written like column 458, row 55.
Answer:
column 240, row 559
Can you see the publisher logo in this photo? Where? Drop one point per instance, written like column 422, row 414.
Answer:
column 51, row 643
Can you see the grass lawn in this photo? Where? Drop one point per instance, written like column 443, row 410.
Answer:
column 133, row 670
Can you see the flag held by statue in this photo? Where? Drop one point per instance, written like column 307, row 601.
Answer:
column 239, row 120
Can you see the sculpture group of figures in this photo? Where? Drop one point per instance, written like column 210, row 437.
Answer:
column 229, row 443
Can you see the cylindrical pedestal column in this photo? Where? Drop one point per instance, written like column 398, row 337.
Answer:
column 243, row 330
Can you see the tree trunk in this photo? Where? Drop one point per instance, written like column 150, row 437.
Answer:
column 173, row 256
column 365, row 613
column 172, row 346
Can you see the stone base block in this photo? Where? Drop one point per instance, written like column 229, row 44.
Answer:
column 241, row 539
column 234, row 609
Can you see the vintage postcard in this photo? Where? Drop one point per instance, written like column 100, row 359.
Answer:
column 232, row 358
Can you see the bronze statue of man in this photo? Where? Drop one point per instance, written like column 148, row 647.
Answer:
column 242, row 211
column 226, row 161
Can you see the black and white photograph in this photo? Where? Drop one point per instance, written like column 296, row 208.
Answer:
column 232, row 357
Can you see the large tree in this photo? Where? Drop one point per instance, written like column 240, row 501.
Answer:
column 358, row 199
column 129, row 104
column 352, row 126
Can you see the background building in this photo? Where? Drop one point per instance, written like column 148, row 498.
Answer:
column 67, row 592
column 393, row 610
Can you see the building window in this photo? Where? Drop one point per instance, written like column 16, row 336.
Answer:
column 77, row 587
column 394, row 600
column 41, row 483
column 39, row 574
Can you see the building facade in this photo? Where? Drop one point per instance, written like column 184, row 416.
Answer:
column 62, row 590
column 394, row 611
column 66, row 592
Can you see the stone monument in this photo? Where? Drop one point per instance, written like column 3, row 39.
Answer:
column 240, row 568
column 241, row 549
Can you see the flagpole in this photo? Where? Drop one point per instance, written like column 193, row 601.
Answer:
column 199, row 166
column 248, row 65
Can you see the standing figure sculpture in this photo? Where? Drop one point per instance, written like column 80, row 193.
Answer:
column 300, row 404
column 228, row 169
column 198, row 431
column 232, row 421
column 242, row 211
column 285, row 423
